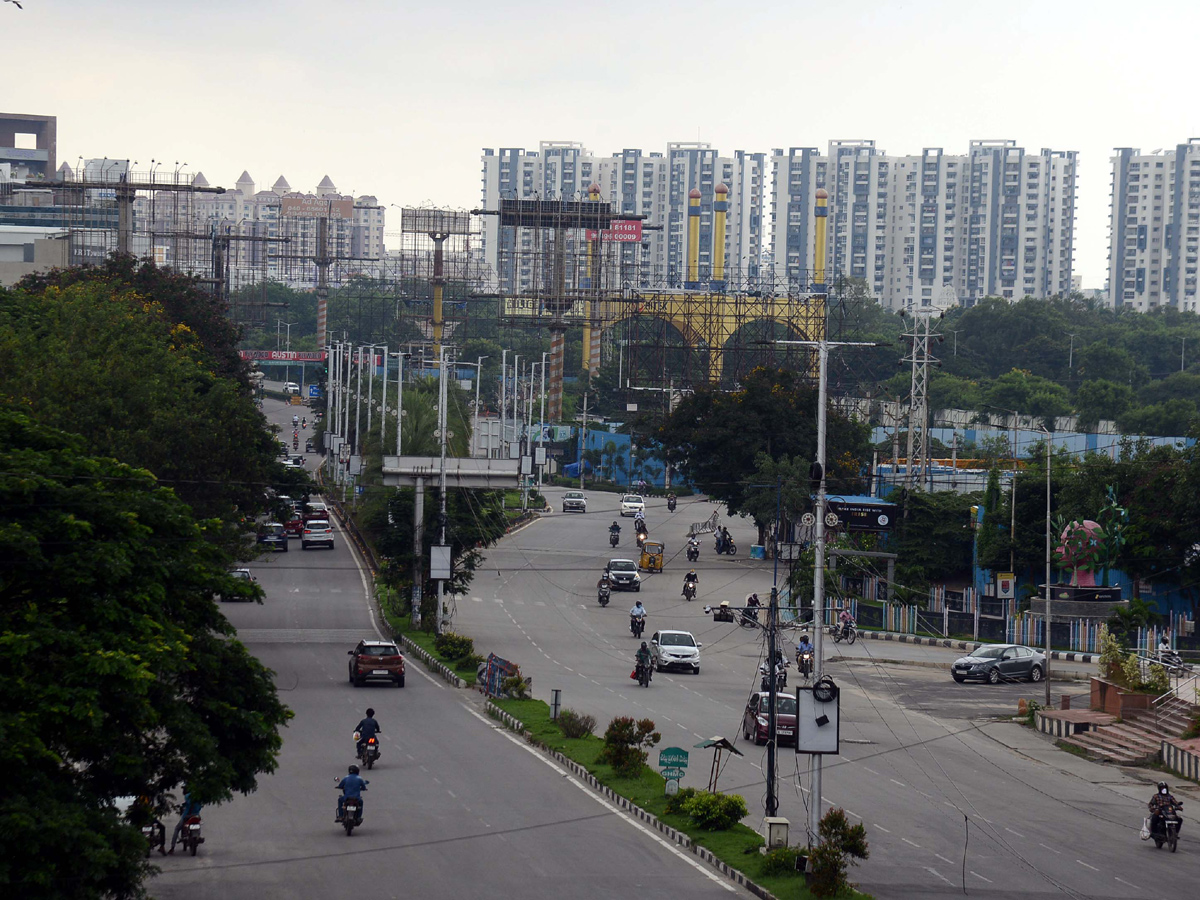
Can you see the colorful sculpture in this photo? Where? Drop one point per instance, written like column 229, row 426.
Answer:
column 1081, row 550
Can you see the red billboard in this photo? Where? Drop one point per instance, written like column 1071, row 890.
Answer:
column 620, row 230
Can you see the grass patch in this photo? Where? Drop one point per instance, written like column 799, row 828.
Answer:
column 737, row 847
column 1071, row 748
column 402, row 625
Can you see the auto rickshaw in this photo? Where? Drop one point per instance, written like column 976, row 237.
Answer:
column 652, row 556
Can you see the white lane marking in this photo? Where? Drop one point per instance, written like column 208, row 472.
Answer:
column 869, row 769
column 939, row 875
column 911, row 843
column 981, row 878
column 711, row 876
column 943, row 859
column 850, row 813
column 894, row 781
column 1130, row 883
column 477, row 599
column 1010, row 831
column 881, row 828
column 1082, row 863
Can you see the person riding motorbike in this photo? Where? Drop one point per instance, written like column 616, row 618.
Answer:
column 366, row 729
column 304, row 421
column 188, row 809
column 803, row 646
column 639, row 525
column 295, row 420
column 671, row 501
column 638, row 613
column 691, row 578
column 845, row 620
column 642, row 658
column 614, row 534
column 351, row 785
column 723, row 539
column 1162, row 803
column 604, row 585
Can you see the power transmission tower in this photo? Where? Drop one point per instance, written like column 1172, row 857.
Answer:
column 917, row 467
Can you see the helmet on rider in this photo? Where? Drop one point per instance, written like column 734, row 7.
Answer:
column 1162, row 788
column 644, row 647
column 354, row 770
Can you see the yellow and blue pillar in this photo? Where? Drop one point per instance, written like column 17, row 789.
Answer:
column 692, row 282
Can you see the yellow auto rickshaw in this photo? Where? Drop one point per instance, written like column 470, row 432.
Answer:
column 652, row 556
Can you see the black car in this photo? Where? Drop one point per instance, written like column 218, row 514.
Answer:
column 273, row 535
column 623, row 573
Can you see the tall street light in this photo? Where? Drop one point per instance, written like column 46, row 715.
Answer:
column 475, row 425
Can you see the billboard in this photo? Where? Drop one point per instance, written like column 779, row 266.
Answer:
column 863, row 515
column 532, row 307
column 620, row 230
column 316, row 207
column 284, row 355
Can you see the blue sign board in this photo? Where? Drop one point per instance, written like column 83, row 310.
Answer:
column 314, row 391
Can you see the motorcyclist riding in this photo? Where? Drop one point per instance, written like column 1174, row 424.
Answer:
column 1162, row 803
column 295, row 420
column 614, row 527
column 642, row 658
column 604, row 585
column 351, row 785
column 845, row 620
column 366, row 729
column 637, row 615
column 639, row 525
column 690, row 579
column 802, row 646
column 671, row 501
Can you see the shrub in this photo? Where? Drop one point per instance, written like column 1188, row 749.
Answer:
column 469, row 663
column 841, row 845
column 1159, row 681
column 575, row 725
column 453, row 646
column 675, row 802
column 624, row 744
column 515, row 687
column 715, row 812
column 1112, row 655
column 1131, row 672
column 782, row 861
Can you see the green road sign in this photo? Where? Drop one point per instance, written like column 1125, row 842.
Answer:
column 672, row 774
column 673, row 756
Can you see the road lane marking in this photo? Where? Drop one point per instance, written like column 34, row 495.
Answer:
column 1082, row 863
column 943, row 859
column 1048, row 847
column 881, row 828
column 869, row 769
column 939, row 875
column 894, row 781
column 1130, row 883
column 981, row 878
column 1010, row 831
column 911, row 843
column 671, row 848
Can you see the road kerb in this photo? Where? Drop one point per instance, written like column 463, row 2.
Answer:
column 514, row 724
column 1055, row 675
column 437, row 666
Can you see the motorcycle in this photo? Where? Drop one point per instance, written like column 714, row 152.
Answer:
column 613, row 538
column 191, row 837
column 693, row 550
column 689, row 590
column 671, row 504
column 351, row 814
column 804, row 662
column 156, row 837
column 728, row 547
column 637, row 624
column 780, row 677
column 643, row 675
column 1169, row 834
column 748, row 618
column 603, row 594
column 847, row 632
column 369, row 752
column 641, row 539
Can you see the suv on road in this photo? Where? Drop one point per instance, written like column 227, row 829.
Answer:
column 623, row 573
column 316, row 531
column 375, row 661
column 633, row 505
column 675, row 648
column 273, row 535
column 574, row 501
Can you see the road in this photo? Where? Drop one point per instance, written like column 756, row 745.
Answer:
column 456, row 807
column 947, row 806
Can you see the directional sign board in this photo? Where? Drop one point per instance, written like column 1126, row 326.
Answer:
column 314, row 392
column 672, row 757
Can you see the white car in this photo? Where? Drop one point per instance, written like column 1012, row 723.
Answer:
column 675, row 648
column 291, row 388
column 316, row 531
column 574, row 501
column 633, row 505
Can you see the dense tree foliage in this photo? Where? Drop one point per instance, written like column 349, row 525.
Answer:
column 118, row 675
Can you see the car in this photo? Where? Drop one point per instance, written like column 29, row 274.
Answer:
column 755, row 724
column 315, row 509
column 273, row 535
column 632, row 505
column 241, row 575
column 574, row 501
column 316, row 531
column 375, row 661
column 294, row 526
column 995, row 663
column 623, row 573
column 298, row 461
column 308, row 446
column 675, row 648
column 291, row 388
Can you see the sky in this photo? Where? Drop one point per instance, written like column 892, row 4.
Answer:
column 397, row 99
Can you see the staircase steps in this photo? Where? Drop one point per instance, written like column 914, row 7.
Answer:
column 1097, row 747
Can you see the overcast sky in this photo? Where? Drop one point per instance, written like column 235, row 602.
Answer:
column 397, row 99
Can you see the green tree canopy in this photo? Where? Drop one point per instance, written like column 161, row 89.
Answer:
column 118, row 674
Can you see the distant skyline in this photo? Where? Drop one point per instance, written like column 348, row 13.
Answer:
column 397, row 99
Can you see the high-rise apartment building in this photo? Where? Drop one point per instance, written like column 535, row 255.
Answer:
column 655, row 185
column 1154, row 228
column 995, row 222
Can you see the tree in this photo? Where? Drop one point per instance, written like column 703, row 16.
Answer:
column 934, row 540
column 118, row 674
column 1101, row 399
column 1029, row 394
column 1169, row 418
column 777, row 486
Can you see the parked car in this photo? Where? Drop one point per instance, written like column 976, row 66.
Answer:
column 316, row 531
column 623, row 573
column 995, row 663
column 375, row 661
column 632, row 505
column 574, row 501
column 675, row 648
column 272, row 534
column 755, row 724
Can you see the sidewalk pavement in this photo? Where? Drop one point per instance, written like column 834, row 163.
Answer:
column 965, row 646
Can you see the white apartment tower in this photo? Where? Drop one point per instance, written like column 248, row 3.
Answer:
column 994, row 222
column 1154, row 228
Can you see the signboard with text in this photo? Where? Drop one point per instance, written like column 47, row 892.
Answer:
column 317, row 207
column 284, row 355
column 619, row 230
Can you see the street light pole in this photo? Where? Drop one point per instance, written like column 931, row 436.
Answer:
column 383, row 405
column 475, row 426
column 503, row 400
column 542, row 424
column 1049, row 592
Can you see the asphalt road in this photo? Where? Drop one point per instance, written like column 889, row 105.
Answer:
column 947, row 807
column 456, row 807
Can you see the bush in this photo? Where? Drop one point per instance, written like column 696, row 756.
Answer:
column 453, row 646
column 715, row 812
column 575, row 725
column 515, row 687
column 782, row 861
column 1112, row 655
column 624, row 740
column 841, row 845
column 676, row 801
column 469, row 663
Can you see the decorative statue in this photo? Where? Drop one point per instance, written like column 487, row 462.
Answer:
column 1080, row 550
column 1113, row 519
